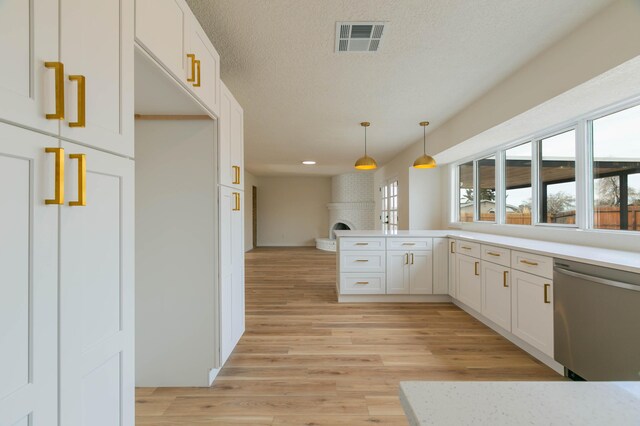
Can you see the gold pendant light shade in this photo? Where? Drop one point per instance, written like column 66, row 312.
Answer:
column 424, row 161
column 365, row 162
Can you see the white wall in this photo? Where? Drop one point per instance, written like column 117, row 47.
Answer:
column 249, row 182
column 176, row 254
column 292, row 211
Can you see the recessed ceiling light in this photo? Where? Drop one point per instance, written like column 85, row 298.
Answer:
column 309, row 162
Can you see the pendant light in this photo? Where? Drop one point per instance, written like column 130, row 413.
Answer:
column 366, row 162
column 424, row 161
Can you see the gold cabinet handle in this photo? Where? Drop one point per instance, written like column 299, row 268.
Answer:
column 193, row 67
column 236, row 173
column 408, row 244
column 453, row 246
column 491, row 253
column 412, row 258
column 475, row 268
column 362, row 282
column 466, row 248
column 361, row 260
column 504, row 278
column 81, row 100
column 236, row 195
column 82, row 180
column 362, row 244
column 406, row 258
column 527, row 262
column 59, row 179
column 59, row 69
column 197, row 83
column 546, row 293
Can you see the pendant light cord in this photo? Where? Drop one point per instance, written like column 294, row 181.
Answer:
column 365, row 141
column 424, row 140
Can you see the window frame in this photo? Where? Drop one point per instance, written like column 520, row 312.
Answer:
column 389, row 226
column 584, row 200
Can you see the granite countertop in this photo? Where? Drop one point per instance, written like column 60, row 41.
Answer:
column 616, row 259
column 521, row 403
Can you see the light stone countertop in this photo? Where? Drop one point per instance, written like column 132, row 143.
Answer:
column 521, row 403
column 616, row 259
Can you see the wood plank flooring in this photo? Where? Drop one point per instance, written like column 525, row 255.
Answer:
column 307, row 360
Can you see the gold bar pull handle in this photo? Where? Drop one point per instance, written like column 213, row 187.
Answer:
column 412, row 258
column 528, row 262
column 236, row 175
column 406, row 258
column 192, row 57
column 197, row 83
column 546, row 293
column 59, row 180
column 475, row 268
column 505, row 276
column 362, row 282
column 236, row 195
column 82, row 180
column 491, row 253
column 453, row 246
column 81, row 101
column 59, row 69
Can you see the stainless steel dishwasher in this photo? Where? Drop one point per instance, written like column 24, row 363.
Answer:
column 596, row 321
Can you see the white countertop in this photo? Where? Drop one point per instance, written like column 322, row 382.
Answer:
column 617, row 259
column 521, row 403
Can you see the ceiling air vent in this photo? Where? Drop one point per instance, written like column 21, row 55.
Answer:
column 359, row 36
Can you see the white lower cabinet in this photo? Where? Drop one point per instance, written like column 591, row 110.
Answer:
column 469, row 288
column 373, row 283
column 496, row 294
column 453, row 284
column 532, row 310
column 397, row 272
column 66, row 283
column 409, row 272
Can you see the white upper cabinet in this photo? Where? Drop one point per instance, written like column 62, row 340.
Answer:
column 29, row 39
column 167, row 45
column 231, row 141
column 96, row 48
column 169, row 32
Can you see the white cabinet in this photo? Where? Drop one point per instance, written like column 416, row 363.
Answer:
column 409, row 272
column 28, row 279
column 440, row 266
column 362, row 283
column 96, row 48
column 169, row 32
column 96, row 290
column 452, row 268
column 496, row 294
column 469, row 286
column 231, row 324
column 532, row 310
column 28, row 39
column 230, row 141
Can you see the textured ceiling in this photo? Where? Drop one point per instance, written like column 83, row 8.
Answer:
column 304, row 101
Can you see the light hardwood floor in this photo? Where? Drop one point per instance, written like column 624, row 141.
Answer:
column 307, row 360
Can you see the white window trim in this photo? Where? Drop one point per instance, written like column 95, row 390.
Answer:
column 584, row 173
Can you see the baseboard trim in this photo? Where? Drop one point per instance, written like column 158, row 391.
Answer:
column 534, row 352
column 394, row 298
column 213, row 373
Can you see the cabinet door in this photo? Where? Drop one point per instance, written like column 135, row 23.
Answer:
column 97, row 42
column 226, row 205
column 28, row 279
column 96, row 292
column 440, row 266
column 452, row 269
column 496, row 294
column 160, row 29
column 28, row 39
column 421, row 272
column 207, row 70
column 469, row 283
column 230, row 141
column 397, row 272
column 237, row 248
column 532, row 310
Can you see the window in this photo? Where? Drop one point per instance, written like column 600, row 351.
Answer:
column 487, row 189
column 519, row 192
column 389, row 215
column 616, row 170
column 466, row 202
column 558, row 179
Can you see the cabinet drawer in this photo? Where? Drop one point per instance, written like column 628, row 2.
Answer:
column 362, row 283
column 470, row 249
column 532, row 263
column 372, row 261
column 361, row 244
column 410, row 244
column 498, row 255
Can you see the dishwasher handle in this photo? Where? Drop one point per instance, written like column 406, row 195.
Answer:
column 598, row 280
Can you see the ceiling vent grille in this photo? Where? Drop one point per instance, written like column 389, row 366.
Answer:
column 359, row 36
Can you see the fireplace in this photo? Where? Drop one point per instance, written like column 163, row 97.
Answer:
column 339, row 226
